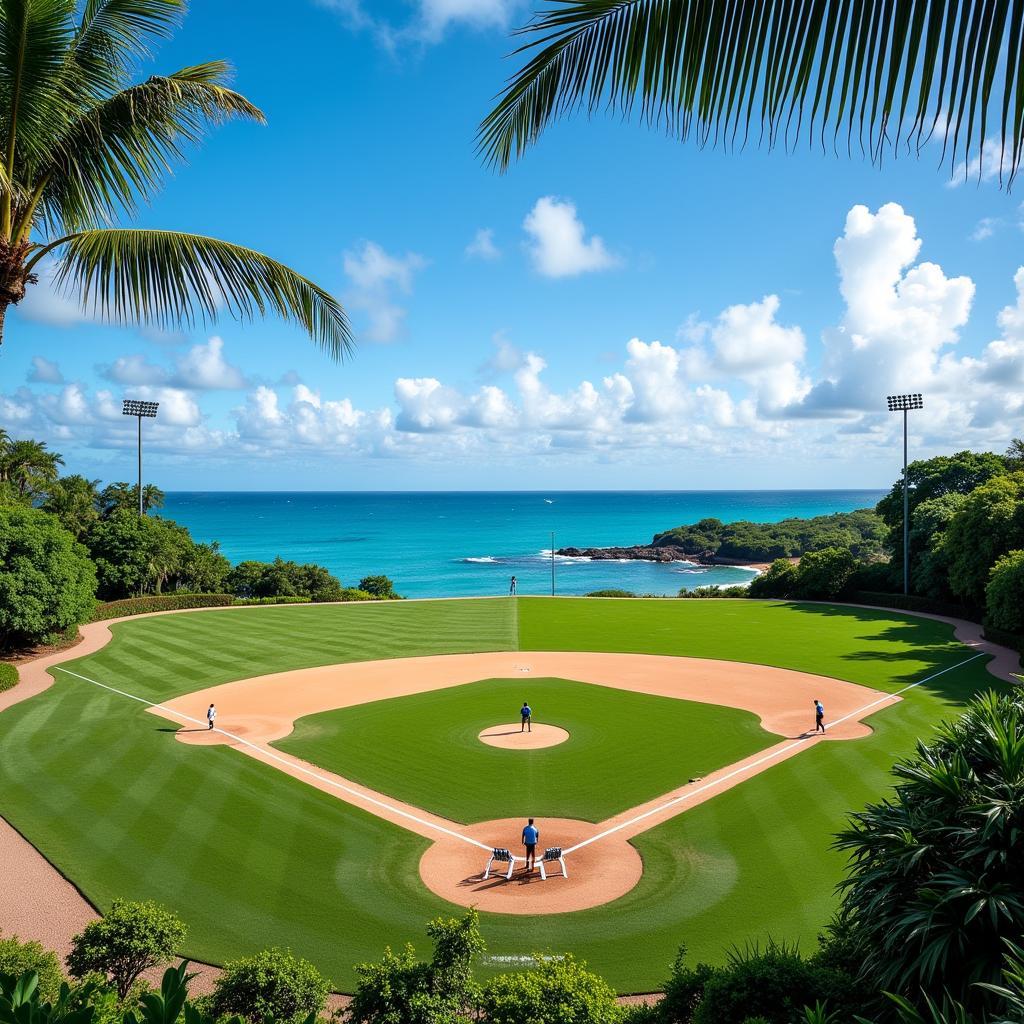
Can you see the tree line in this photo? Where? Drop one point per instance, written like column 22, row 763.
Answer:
column 65, row 543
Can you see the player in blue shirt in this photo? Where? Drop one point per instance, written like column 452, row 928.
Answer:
column 526, row 714
column 819, row 716
column 530, row 836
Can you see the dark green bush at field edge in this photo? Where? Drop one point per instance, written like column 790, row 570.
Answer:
column 159, row 603
column 8, row 676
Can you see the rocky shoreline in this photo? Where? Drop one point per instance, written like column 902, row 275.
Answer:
column 657, row 553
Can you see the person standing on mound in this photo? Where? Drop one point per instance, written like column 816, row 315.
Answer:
column 530, row 836
column 526, row 715
column 211, row 715
column 512, row 587
column 819, row 716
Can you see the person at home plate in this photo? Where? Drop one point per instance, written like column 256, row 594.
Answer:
column 526, row 714
column 530, row 836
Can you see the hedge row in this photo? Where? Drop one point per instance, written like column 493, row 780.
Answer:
column 280, row 599
column 912, row 603
column 8, row 676
column 159, row 603
column 999, row 636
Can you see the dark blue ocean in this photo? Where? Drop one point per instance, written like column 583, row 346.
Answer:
column 445, row 544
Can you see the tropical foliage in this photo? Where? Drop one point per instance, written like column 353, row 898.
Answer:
column 274, row 984
column 865, row 75
column 862, row 532
column 936, row 883
column 84, row 144
column 47, row 582
column 130, row 939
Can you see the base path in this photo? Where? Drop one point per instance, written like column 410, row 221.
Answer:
column 254, row 712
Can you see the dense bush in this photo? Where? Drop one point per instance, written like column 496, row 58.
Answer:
column 274, row 984
column 8, row 676
column 778, row 580
column 18, row 957
column 399, row 989
column 131, row 938
column 911, row 603
column 1004, row 595
column 819, row 576
column 158, row 603
column 270, row 600
column 47, row 583
column 714, row 590
column 554, row 991
column 282, row 578
column 611, row 592
column 380, row 587
column 861, row 532
column 934, row 891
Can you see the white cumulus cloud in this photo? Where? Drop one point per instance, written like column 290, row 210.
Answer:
column 558, row 244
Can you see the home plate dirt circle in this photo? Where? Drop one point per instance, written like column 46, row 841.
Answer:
column 598, row 873
column 512, row 737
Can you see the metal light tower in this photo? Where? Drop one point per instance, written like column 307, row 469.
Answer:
column 140, row 410
column 904, row 403
column 552, row 563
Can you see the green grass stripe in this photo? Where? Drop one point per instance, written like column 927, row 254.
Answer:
column 250, row 857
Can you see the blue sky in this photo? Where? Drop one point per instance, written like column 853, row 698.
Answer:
column 619, row 310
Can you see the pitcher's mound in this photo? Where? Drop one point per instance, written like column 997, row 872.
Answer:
column 513, row 738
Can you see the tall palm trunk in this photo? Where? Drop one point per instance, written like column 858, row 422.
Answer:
column 14, row 278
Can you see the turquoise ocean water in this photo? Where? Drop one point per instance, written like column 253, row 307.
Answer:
column 460, row 544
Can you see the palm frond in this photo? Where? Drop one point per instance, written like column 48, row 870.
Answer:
column 119, row 151
column 876, row 72
column 113, row 35
column 34, row 36
column 167, row 278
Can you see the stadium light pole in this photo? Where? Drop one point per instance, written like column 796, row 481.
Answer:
column 552, row 563
column 140, row 410
column 904, row 403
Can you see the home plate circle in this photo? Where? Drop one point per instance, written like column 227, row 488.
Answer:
column 513, row 737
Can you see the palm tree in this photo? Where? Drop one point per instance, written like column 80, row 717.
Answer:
column 875, row 74
column 124, row 495
column 74, row 500
column 934, row 888
column 81, row 145
column 29, row 466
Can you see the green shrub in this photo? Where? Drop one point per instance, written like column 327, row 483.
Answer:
column 715, row 591
column 18, row 957
column 1004, row 595
column 558, row 991
column 130, row 939
column 47, row 582
column 274, row 985
column 271, row 600
column 379, row 587
column 355, row 594
column 823, row 575
column 8, row 676
column 778, row 580
column 158, row 603
column 611, row 592
column 910, row 603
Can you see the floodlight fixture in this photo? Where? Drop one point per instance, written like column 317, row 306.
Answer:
column 140, row 410
column 901, row 403
column 136, row 408
column 904, row 404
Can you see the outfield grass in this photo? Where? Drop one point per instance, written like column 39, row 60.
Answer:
column 623, row 749
column 250, row 857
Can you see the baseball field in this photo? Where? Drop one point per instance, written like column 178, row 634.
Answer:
column 368, row 757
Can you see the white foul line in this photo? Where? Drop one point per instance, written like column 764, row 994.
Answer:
column 294, row 765
column 774, row 755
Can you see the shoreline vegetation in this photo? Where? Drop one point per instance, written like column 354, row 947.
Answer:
column 751, row 545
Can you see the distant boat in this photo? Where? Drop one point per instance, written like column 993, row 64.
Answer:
column 548, row 501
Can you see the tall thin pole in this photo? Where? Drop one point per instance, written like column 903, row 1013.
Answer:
column 139, row 418
column 906, row 513
column 552, row 563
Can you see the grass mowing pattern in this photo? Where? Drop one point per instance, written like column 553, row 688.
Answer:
column 623, row 748
column 251, row 858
